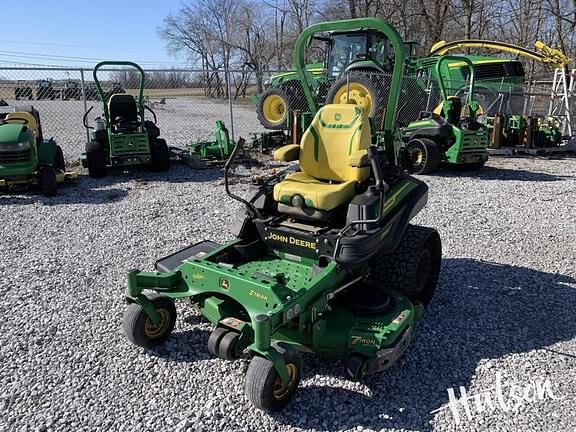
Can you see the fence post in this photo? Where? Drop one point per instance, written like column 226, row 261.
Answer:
column 84, row 99
column 229, row 91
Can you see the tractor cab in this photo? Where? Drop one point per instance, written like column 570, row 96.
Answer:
column 357, row 48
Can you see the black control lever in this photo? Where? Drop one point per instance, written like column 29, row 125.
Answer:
column 375, row 163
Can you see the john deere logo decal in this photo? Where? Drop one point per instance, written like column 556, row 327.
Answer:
column 337, row 116
column 224, row 284
column 130, row 144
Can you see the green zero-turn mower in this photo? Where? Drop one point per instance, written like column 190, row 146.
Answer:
column 324, row 260
column 26, row 158
column 451, row 134
column 124, row 137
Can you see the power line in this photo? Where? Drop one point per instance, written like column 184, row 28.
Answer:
column 75, row 59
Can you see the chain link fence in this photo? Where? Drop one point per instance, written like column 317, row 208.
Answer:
column 188, row 102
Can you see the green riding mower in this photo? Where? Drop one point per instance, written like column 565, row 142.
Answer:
column 124, row 137
column 324, row 260
column 26, row 158
column 451, row 134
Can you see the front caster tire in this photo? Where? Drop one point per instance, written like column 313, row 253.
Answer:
column 264, row 387
column 223, row 343
column 354, row 367
column 413, row 268
column 139, row 328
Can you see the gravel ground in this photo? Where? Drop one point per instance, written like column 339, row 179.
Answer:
column 505, row 305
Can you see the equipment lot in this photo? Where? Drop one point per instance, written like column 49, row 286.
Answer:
column 505, row 303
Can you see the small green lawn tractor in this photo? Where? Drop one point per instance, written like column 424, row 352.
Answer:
column 124, row 137
column 25, row 157
column 324, row 261
column 451, row 134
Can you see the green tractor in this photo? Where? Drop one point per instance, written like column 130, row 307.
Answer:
column 124, row 137
column 451, row 134
column 26, row 158
column 356, row 69
column 325, row 259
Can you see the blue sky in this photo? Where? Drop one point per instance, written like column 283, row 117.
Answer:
column 36, row 30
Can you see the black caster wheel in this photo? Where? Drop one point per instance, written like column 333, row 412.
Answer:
column 228, row 347
column 139, row 328
column 354, row 367
column 214, row 340
column 263, row 386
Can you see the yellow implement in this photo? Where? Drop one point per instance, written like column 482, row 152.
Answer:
column 545, row 54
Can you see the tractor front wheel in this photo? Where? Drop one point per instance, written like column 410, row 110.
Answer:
column 141, row 330
column 96, row 159
column 263, row 385
column 413, row 268
column 47, row 181
column 422, row 156
column 273, row 108
column 160, row 155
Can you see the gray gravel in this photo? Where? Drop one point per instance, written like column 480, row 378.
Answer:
column 505, row 304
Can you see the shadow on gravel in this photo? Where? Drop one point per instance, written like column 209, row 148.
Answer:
column 70, row 194
column 493, row 173
column 178, row 173
column 482, row 310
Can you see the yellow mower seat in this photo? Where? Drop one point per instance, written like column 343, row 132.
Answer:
column 31, row 120
column 330, row 155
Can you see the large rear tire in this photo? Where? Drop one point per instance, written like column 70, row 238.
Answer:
column 366, row 90
column 423, row 156
column 59, row 162
column 96, row 159
column 414, row 267
column 47, row 181
column 160, row 155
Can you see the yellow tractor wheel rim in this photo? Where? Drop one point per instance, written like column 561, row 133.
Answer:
column 281, row 390
column 153, row 331
column 274, row 108
column 358, row 95
column 417, row 157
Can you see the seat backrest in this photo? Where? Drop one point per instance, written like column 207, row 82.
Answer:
column 122, row 105
column 336, row 132
column 455, row 111
column 32, row 123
